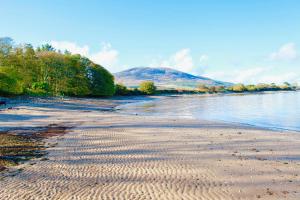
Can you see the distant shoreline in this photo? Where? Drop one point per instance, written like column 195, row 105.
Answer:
column 172, row 112
column 117, row 103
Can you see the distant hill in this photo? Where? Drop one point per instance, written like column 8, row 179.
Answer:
column 163, row 78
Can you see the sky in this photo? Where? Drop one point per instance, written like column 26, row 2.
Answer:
column 241, row 41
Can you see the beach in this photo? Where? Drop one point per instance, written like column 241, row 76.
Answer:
column 112, row 155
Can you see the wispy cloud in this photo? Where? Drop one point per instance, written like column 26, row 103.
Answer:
column 106, row 57
column 181, row 60
column 70, row 46
column 254, row 75
column 203, row 58
column 285, row 52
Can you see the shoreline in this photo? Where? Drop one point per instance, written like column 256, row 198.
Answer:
column 111, row 155
column 115, row 104
column 235, row 123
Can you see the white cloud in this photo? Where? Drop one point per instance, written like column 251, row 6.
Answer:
column 70, row 46
column 181, row 60
column 254, row 75
column 203, row 58
column 106, row 57
column 286, row 52
column 280, row 78
column 237, row 76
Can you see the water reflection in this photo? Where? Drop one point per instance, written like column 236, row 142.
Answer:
column 276, row 110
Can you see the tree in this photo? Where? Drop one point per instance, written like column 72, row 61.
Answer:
column 101, row 81
column 238, row 88
column 262, row 87
column 286, row 86
column 251, row 88
column 147, row 87
column 45, row 71
column 9, row 85
column 202, row 88
column 121, row 89
column 46, row 47
column 219, row 88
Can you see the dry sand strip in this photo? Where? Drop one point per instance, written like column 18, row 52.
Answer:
column 114, row 156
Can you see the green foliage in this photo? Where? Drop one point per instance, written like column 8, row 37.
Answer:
column 101, row 81
column 261, row 87
column 203, row 88
column 39, row 89
column 238, row 88
column 135, row 91
column 9, row 85
column 45, row 71
column 45, row 47
column 147, row 87
column 285, row 86
column 251, row 88
column 121, row 89
column 216, row 89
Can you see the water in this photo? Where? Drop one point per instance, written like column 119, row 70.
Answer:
column 278, row 110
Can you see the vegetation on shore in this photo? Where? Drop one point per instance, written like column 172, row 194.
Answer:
column 238, row 88
column 46, row 72
column 149, row 88
column 145, row 88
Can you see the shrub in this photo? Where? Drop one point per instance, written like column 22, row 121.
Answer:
column 9, row 85
column 202, row 88
column 121, row 89
column 39, row 89
column 285, row 86
column 251, row 88
column 216, row 89
column 238, row 88
column 147, row 87
column 262, row 86
column 40, row 86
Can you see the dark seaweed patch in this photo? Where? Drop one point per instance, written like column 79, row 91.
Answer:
column 20, row 145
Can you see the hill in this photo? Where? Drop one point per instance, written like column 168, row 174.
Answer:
column 163, row 78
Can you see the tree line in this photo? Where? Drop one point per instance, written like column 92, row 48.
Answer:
column 261, row 87
column 46, row 71
column 148, row 87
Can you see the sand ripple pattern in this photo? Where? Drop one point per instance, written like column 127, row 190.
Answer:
column 107, row 162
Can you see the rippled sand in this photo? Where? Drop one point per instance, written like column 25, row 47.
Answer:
column 115, row 156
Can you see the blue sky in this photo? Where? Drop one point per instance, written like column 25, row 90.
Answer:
column 246, row 41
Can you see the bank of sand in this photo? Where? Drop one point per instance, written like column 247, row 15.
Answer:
column 115, row 156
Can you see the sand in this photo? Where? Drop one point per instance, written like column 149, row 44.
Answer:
column 108, row 155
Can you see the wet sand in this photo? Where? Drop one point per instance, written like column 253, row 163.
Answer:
column 108, row 155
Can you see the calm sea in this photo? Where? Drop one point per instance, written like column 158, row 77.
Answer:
column 278, row 110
